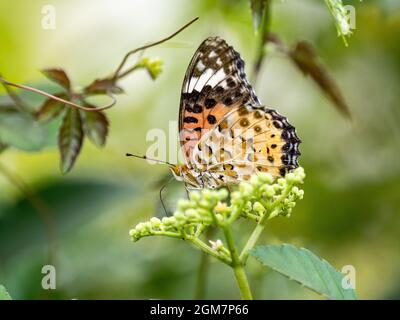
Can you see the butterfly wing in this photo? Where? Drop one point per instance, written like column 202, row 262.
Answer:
column 247, row 140
column 214, row 85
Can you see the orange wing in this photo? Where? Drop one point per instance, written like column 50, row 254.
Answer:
column 214, row 85
column 247, row 140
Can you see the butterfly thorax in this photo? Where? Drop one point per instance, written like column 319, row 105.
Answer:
column 191, row 176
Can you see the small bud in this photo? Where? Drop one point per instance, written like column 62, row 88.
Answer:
column 290, row 177
column 220, row 207
column 246, row 189
column 254, row 180
column 268, row 191
column 155, row 222
column 184, row 204
column 216, row 245
column 179, row 216
column 223, row 194
column 265, row 177
column 191, row 213
column 235, row 195
column 195, row 196
column 259, row 208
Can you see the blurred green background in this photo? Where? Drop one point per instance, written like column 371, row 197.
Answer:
column 350, row 213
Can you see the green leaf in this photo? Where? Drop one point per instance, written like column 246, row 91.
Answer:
column 305, row 58
column 303, row 266
column 257, row 9
column 4, row 295
column 70, row 139
column 95, row 125
column 50, row 109
column 21, row 131
column 59, row 76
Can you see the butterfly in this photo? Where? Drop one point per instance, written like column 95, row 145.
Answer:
column 226, row 134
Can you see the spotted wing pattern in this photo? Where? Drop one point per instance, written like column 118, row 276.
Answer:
column 247, row 140
column 214, row 84
column 226, row 134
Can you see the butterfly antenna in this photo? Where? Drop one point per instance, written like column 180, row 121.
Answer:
column 147, row 158
column 161, row 198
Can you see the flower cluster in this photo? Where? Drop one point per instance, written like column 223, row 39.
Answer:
column 261, row 198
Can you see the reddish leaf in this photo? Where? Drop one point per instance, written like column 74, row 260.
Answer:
column 59, row 76
column 103, row 86
column 70, row 139
column 305, row 58
column 95, row 125
column 50, row 109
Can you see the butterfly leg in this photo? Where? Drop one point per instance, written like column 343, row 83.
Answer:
column 161, row 197
column 187, row 191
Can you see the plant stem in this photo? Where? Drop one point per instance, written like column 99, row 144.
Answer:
column 202, row 277
column 203, row 267
column 251, row 242
column 237, row 266
column 263, row 37
column 201, row 245
column 116, row 74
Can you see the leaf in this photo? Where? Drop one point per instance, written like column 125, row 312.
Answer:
column 4, row 295
column 70, row 139
column 257, row 9
column 51, row 108
column 21, row 131
column 95, row 125
column 59, row 76
column 303, row 266
column 103, row 86
column 305, row 58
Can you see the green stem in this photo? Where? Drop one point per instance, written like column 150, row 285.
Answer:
column 201, row 282
column 237, row 266
column 263, row 38
column 202, row 277
column 251, row 242
column 201, row 245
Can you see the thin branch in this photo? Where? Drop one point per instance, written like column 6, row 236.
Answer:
column 19, row 103
column 48, row 95
column 121, row 65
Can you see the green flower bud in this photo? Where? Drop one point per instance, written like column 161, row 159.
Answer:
column 265, row 177
column 235, row 195
column 184, row 204
column 254, row 180
column 191, row 213
column 179, row 216
column 246, row 189
column 223, row 194
column 259, row 208
column 290, row 177
column 195, row 196
column 155, row 222
column 268, row 191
